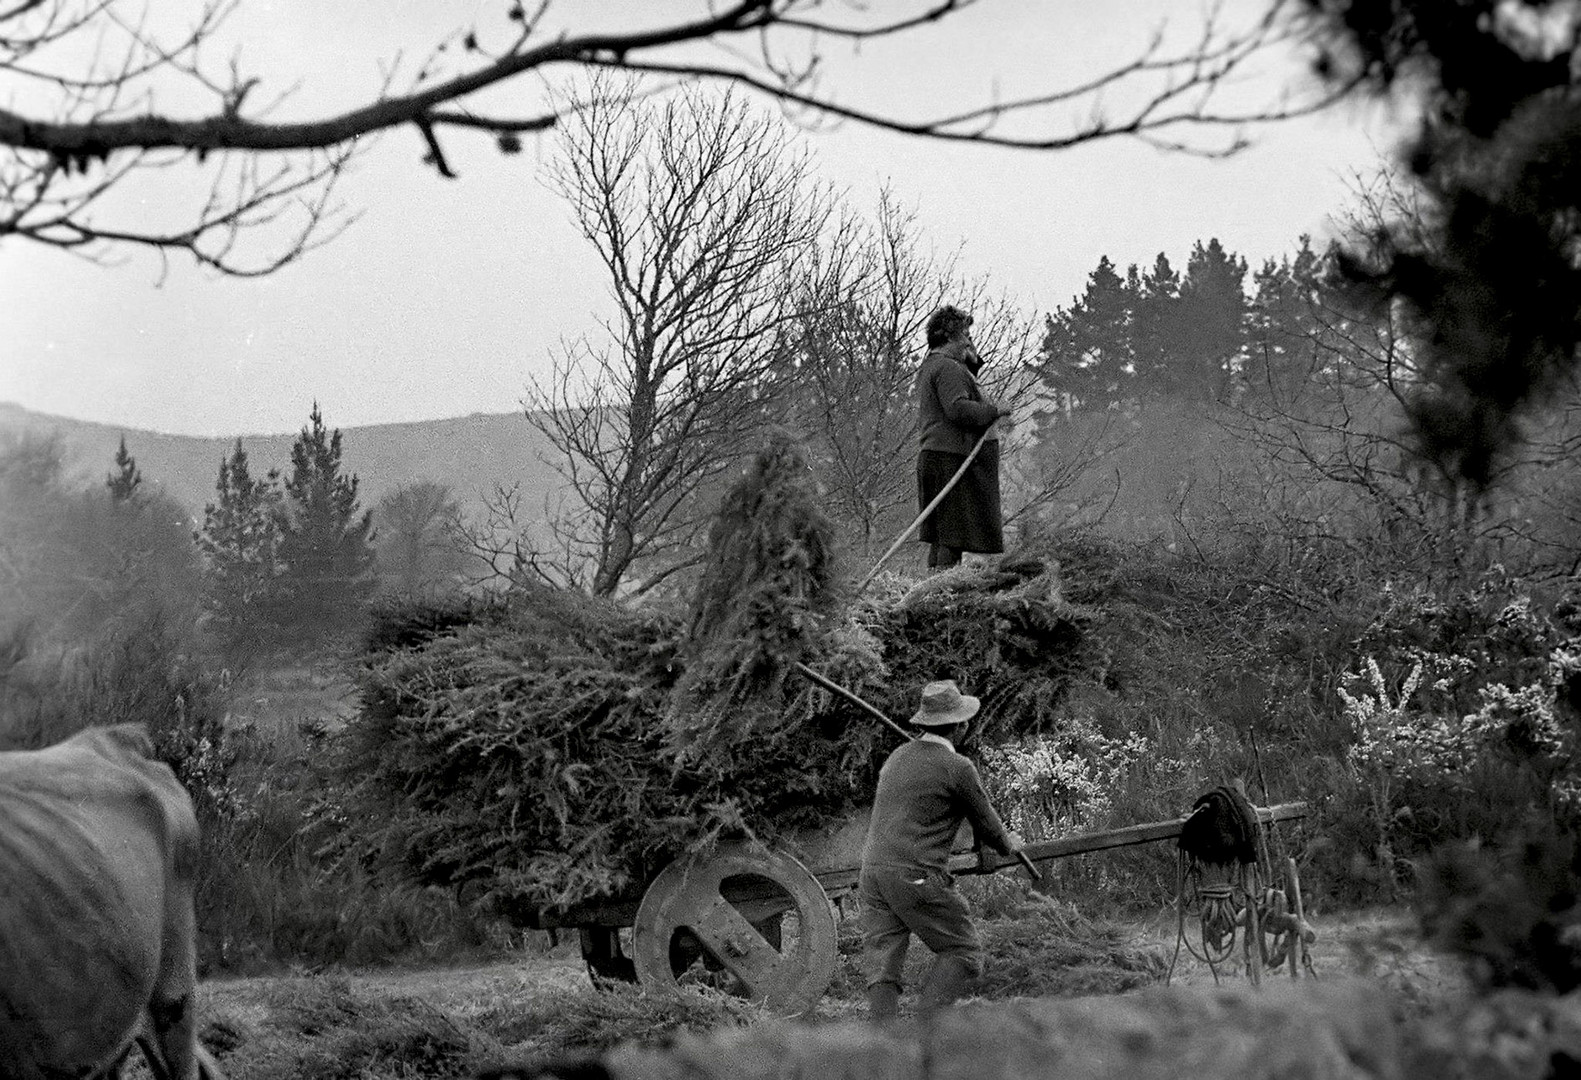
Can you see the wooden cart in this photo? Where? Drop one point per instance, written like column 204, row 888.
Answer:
column 767, row 920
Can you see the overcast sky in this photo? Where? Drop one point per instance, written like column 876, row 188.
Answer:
column 446, row 295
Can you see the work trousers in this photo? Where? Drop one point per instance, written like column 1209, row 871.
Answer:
column 898, row 902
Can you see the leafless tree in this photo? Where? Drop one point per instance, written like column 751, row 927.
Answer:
column 509, row 542
column 1064, row 473
column 418, row 545
column 101, row 95
column 702, row 211
column 1327, row 411
column 856, row 360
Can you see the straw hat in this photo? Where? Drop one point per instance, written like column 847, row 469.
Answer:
column 943, row 705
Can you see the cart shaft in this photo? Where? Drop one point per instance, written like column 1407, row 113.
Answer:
column 837, row 881
column 843, row 879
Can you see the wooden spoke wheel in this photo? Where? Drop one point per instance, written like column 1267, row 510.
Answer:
column 757, row 922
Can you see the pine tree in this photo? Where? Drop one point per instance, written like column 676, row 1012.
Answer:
column 326, row 543
column 1210, row 324
column 1155, row 326
column 241, row 542
column 1283, row 326
column 124, row 481
column 1087, row 347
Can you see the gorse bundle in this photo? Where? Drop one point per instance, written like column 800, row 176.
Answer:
column 554, row 748
column 768, row 593
column 521, row 752
column 530, row 754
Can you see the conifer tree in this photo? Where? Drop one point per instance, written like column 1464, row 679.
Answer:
column 1155, row 326
column 124, row 481
column 326, row 539
column 1087, row 347
column 1210, row 324
column 1284, row 325
column 241, row 542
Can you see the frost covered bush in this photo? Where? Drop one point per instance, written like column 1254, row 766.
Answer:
column 1470, row 743
column 1049, row 785
column 1390, row 737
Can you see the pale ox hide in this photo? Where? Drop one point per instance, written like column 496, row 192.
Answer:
column 98, row 844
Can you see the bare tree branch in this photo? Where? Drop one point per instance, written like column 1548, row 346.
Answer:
column 86, row 125
column 701, row 213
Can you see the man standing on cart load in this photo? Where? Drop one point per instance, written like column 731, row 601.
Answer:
column 925, row 791
column 952, row 415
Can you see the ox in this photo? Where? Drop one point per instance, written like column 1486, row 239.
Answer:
column 98, row 844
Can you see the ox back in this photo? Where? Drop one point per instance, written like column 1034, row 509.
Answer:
column 98, row 845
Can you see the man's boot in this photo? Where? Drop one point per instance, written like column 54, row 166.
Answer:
column 883, row 1002
column 948, row 978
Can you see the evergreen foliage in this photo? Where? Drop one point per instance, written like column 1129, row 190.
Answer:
column 289, row 560
column 522, row 750
column 1489, row 271
column 555, row 748
column 1004, row 632
column 1154, row 325
column 124, row 481
column 530, row 750
column 1153, row 333
column 1210, row 324
column 75, row 561
column 767, row 595
column 325, row 538
column 1193, row 337
column 241, row 541
column 1282, row 324
column 1087, row 347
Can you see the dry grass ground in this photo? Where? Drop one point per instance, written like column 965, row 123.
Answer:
column 276, row 700
column 371, row 1025
column 449, row 1021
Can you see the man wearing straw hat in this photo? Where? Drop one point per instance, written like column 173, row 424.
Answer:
column 925, row 791
column 958, row 445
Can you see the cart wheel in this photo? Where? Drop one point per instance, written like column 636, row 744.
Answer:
column 758, row 916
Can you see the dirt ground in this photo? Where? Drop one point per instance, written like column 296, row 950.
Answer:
column 389, row 1024
column 1379, row 946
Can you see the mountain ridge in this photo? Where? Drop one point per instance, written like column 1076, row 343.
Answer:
column 473, row 455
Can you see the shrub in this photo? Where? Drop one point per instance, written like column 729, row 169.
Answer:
column 518, row 748
column 1472, row 743
column 1213, row 665
column 139, row 674
column 1515, row 915
column 268, row 896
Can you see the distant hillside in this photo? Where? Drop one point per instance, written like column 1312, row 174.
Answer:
column 471, row 454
